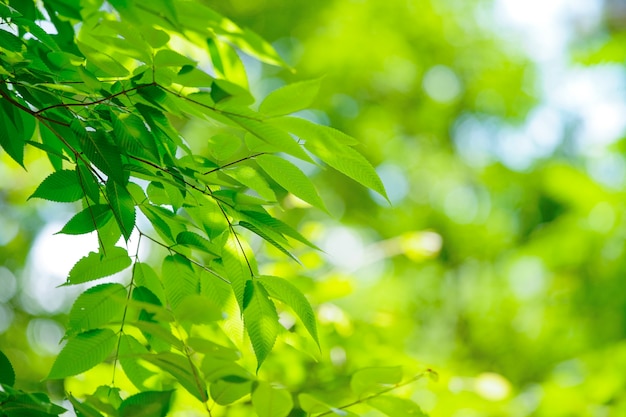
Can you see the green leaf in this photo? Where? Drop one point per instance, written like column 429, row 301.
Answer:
column 291, row 178
column 236, row 268
column 10, row 42
column 11, row 139
column 312, row 405
column 179, row 280
column 129, row 353
column 212, row 349
column 285, row 291
column 266, row 132
column 197, row 309
column 196, row 241
column 160, row 331
column 271, row 402
column 96, row 265
column 7, row 374
column 102, row 153
column 88, row 182
column 249, row 177
column 224, row 391
column 145, row 276
column 96, row 307
column 123, row 207
column 332, row 147
column 169, row 58
column 83, row 409
column 147, row 404
column 373, row 380
column 290, row 98
column 223, row 145
column 278, row 226
column 396, row 407
column 260, row 319
column 183, row 370
column 105, row 64
column 270, row 237
column 83, row 352
column 88, row 220
column 61, row 186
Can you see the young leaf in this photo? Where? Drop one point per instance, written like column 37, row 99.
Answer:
column 271, row 402
column 179, row 280
column 249, row 177
column 372, row 380
column 278, row 226
column 96, row 307
column 333, row 147
column 260, row 319
column 60, row 186
column 312, row 405
column 396, row 407
column 183, row 370
column 283, row 290
column 196, row 241
column 147, row 404
column 88, row 220
column 270, row 237
column 291, row 178
column 7, row 374
column 83, row 352
column 83, row 409
column 129, row 353
column 96, row 265
column 103, row 154
column 230, row 389
column 236, row 268
column 123, row 207
column 290, row 98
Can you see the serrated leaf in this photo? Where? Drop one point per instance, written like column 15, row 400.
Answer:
column 332, row 147
column 60, row 186
column 279, row 226
column 96, row 265
column 7, row 374
column 88, row 220
column 373, row 380
column 226, row 392
column 83, row 352
column 271, row 402
column 160, row 331
column 197, row 309
column 129, row 352
column 145, row 276
column 396, row 407
column 96, row 307
column 179, row 280
column 286, row 292
column 260, row 319
column 88, row 182
column 291, row 178
column 270, row 237
column 196, row 241
column 215, row 368
column 212, row 349
column 147, row 404
column 10, row 139
column 123, row 207
column 236, row 268
column 249, row 177
column 83, row 409
column 169, row 58
column 183, row 370
column 290, row 98
column 268, row 133
column 102, row 153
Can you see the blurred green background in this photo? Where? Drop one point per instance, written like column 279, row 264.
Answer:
column 498, row 130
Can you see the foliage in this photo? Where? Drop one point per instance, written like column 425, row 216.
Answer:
column 105, row 91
